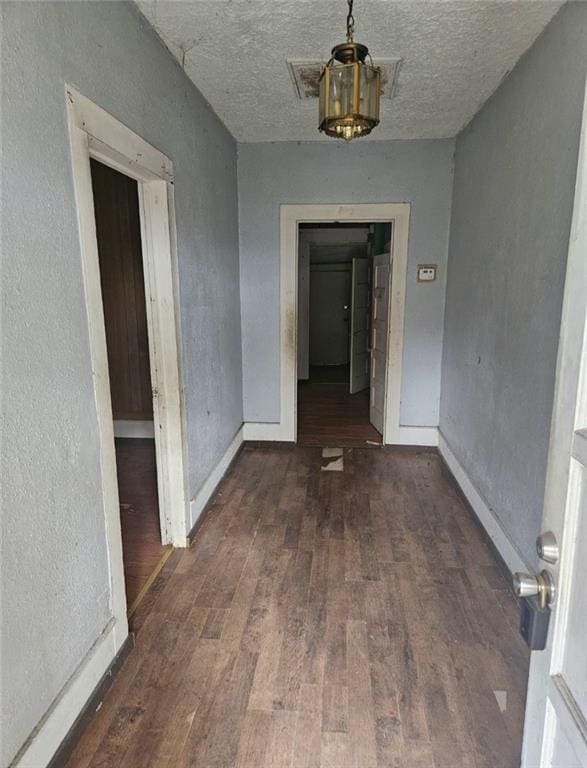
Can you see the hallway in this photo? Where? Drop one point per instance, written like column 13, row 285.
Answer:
column 343, row 619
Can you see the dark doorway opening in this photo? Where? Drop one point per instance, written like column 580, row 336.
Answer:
column 339, row 402
column 118, row 231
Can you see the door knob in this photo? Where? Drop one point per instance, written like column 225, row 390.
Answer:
column 525, row 585
column 547, row 547
column 542, row 585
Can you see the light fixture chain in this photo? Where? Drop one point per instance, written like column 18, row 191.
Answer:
column 350, row 23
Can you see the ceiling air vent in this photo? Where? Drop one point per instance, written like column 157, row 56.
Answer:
column 305, row 75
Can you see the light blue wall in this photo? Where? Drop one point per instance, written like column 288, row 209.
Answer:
column 512, row 207
column 419, row 172
column 55, row 583
column 513, row 198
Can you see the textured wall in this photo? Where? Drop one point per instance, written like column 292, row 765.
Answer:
column 513, row 198
column 419, row 172
column 55, row 597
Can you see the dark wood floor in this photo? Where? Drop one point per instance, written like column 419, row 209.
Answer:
column 346, row 619
column 329, row 415
column 139, row 514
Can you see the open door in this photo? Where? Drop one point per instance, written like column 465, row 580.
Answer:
column 359, row 356
column 379, row 323
column 555, row 732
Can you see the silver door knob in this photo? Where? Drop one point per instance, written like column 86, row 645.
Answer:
column 525, row 585
column 542, row 585
column 547, row 547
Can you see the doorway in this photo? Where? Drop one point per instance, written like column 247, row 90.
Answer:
column 122, row 282
column 344, row 272
column 291, row 216
column 95, row 134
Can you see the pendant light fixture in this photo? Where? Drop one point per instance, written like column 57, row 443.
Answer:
column 349, row 89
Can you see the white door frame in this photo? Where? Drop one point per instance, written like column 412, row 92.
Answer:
column 365, row 213
column 96, row 134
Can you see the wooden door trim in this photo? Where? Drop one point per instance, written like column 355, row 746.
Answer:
column 290, row 218
column 96, row 134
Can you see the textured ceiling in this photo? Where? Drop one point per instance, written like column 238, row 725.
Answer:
column 453, row 56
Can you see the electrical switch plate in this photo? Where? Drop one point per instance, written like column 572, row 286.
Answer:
column 426, row 273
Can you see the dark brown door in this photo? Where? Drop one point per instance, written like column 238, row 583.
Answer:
column 116, row 205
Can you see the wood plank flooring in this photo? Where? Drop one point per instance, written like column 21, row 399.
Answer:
column 348, row 619
column 139, row 513
column 329, row 415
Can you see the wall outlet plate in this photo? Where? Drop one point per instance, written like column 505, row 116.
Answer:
column 426, row 273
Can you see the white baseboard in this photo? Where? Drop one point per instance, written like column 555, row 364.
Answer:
column 130, row 428
column 270, row 431
column 418, row 436
column 274, row 431
column 202, row 497
column 498, row 536
column 62, row 714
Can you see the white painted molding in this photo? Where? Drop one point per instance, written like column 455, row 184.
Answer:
column 123, row 149
column 155, row 199
column 132, row 428
column 427, row 436
column 99, row 358
column 498, row 536
column 97, row 134
column 208, row 487
column 290, row 217
column 56, row 724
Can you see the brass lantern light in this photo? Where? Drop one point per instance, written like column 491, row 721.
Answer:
column 350, row 89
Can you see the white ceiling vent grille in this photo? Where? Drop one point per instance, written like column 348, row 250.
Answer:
column 305, row 76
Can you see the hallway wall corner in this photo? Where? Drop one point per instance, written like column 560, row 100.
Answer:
column 207, row 490
column 483, row 512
